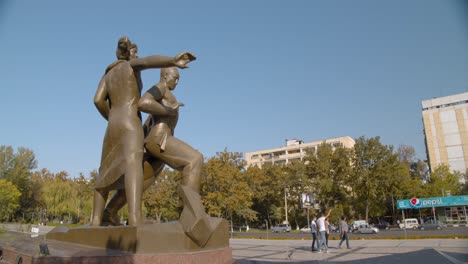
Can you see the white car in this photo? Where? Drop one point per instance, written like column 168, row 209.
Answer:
column 367, row 229
column 357, row 223
column 305, row 230
column 281, row 228
column 410, row 223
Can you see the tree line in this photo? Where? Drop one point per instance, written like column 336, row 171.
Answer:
column 363, row 182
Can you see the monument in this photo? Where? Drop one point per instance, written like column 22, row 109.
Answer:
column 133, row 155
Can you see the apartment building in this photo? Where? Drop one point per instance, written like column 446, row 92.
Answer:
column 446, row 131
column 294, row 150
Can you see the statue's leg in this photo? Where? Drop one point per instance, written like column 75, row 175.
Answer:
column 116, row 203
column 151, row 169
column 134, row 187
column 180, row 156
column 100, row 198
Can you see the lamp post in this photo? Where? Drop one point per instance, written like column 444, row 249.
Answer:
column 286, row 205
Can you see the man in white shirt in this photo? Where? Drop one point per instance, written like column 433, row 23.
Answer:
column 322, row 230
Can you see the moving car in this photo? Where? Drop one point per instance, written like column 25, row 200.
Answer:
column 433, row 224
column 410, row 223
column 333, row 228
column 357, row 223
column 367, row 229
column 281, row 228
column 383, row 225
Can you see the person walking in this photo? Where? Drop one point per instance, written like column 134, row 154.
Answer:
column 327, row 230
column 313, row 230
column 344, row 232
column 322, row 230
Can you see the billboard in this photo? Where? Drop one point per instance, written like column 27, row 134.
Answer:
column 446, row 201
column 307, row 200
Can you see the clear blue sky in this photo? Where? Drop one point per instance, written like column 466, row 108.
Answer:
column 266, row 70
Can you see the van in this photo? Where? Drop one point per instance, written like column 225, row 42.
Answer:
column 357, row 223
column 410, row 223
column 281, row 228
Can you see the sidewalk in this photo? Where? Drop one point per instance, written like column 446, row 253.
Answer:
column 427, row 251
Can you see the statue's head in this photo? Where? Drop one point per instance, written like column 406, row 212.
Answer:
column 170, row 76
column 126, row 50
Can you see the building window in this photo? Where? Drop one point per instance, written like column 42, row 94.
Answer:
column 294, row 151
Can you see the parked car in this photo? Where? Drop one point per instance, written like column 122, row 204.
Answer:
column 281, row 228
column 367, row 229
column 433, row 224
column 383, row 225
column 236, row 228
column 305, row 230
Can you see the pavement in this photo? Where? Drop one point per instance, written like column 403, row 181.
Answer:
column 427, row 251
column 363, row 251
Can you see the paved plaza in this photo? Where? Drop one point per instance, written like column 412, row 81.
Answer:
column 427, row 251
column 365, row 251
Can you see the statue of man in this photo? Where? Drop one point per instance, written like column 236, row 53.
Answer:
column 162, row 106
column 117, row 98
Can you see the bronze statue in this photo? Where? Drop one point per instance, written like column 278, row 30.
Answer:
column 162, row 106
column 133, row 155
column 117, row 99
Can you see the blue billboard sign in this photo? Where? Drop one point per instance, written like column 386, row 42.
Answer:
column 447, row 201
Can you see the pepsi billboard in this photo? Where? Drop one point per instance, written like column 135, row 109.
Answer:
column 447, row 201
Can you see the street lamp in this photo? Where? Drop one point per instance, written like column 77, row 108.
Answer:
column 286, row 205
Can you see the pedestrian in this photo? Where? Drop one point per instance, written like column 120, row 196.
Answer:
column 327, row 230
column 322, row 231
column 344, row 232
column 313, row 230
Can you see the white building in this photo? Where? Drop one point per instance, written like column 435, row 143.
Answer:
column 446, row 131
column 294, row 150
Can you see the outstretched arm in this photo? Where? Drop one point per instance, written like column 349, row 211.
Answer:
column 150, row 103
column 157, row 61
column 328, row 215
column 100, row 99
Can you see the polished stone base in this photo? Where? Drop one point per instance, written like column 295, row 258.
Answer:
column 148, row 238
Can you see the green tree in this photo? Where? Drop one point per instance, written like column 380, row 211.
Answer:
column 161, row 199
column 418, row 169
column 60, row 196
column 224, row 187
column 295, row 184
column 442, row 181
column 374, row 165
column 17, row 169
column 329, row 171
column 84, row 191
column 267, row 185
column 9, row 200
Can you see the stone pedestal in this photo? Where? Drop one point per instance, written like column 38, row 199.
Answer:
column 149, row 238
column 150, row 243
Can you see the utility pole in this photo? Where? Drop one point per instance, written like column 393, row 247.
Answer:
column 286, row 205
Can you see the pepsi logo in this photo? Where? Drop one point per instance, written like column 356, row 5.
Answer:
column 415, row 202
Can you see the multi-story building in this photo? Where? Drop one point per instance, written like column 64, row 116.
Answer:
column 294, row 150
column 446, row 131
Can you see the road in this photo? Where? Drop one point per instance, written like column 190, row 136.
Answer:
column 449, row 232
